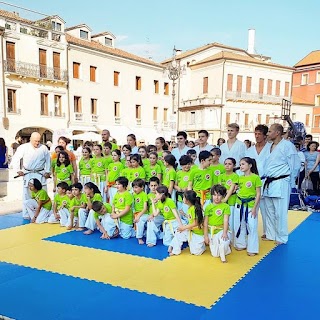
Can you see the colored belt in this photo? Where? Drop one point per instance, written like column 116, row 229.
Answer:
column 244, row 204
column 214, row 228
column 111, row 184
column 271, row 179
column 170, row 225
column 203, row 195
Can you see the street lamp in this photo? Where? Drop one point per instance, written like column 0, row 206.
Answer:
column 175, row 71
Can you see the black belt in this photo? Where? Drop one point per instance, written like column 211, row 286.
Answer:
column 271, row 179
column 244, row 206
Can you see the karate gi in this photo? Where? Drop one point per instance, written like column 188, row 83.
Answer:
column 237, row 151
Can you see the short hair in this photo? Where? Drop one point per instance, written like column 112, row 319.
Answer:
column 219, row 189
column 299, row 139
column 216, row 151
column 309, row 136
column 182, row 133
column 63, row 185
column 36, row 183
column 108, row 144
column 262, row 128
column 123, row 181
column 154, row 179
column 203, row 155
column 204, row 131
column 77, row 185
column 234, row 126
column 278, row 127
column 191, row 151
column 139, row 183
column 97, row 206
column 184, row 160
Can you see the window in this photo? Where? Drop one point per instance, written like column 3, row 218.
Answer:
column 248, row 84
column 11, row 56
column 56, row 26
column 76, row 70
column 239, row 83
column 117, row 109
column 294, row 116
column 229, row 82
column 155, row 113
column 316, row 121
column 237, row 118
column 84, row 34
column 259, row 118
column 267, row 119
column 138, row 111
column 205, row 85
column 77, row 104
column 227, row 118
column 156, row 86
column 116, row 76
column 261, row 85
column 44, row 104
column 165, row 114
column 193, row 117
column 93, row 73
column 307, row 120
column 12, row 107
column 304, row 79
column 286, row 89
column 166, row 88
column 278, row 88
column 138, row 83
column 56, row 65
column 108, row 42
column 94, row 106
column 43, row 63
column 269, row 89
column 318, row 77
column 57, row 106
column 246, row 120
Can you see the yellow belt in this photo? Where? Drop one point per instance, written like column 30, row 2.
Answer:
column 203, row 195
column 170, row 225
column 213, row 228
column 97, row 177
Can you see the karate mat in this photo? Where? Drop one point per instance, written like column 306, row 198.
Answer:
column 75, row 279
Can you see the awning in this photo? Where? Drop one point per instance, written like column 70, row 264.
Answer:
column 83, row 128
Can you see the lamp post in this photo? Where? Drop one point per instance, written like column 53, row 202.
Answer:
column 175, row 72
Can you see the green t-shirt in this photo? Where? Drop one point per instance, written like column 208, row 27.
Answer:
column 108, row 207
column 42, row 195
column 122, row 200
column 108, row 160
column 166, row 207
column 85, row 167
column 202, row 179
column 226, row 181
column 247, row 188
column 151, row 196
column 152, row 171
column 114, row 146
column 114, row 170
column 217, row 170
column 169, row 175
column 75, row 202
column 125, row 172
column 136, row 173
column 60, row 201
column 139, row 200
column 193, row 167
column 63, row 173
column 99, row 167
column 182, row 181
column 191, row 214
column 53, row 164
column 215, row 213
column 146, row 163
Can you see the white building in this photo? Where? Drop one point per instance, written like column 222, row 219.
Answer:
column 56, row 79
column 224, row 84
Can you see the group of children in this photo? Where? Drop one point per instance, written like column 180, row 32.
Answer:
column 143, row 196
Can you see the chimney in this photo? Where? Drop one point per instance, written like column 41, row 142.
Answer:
column 251, row 41
column 178, row 52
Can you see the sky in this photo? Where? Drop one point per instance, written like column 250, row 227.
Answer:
column 284, row 31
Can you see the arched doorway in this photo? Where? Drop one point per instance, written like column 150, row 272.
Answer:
column 25, row 133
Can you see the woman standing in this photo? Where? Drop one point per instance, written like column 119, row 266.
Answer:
column 132, row 142
column 312, row 164
column 3, row 154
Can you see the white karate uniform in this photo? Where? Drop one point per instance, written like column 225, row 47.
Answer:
column 83, row 215
column 85, row 179
column 64, row 214
column 261, row 163
column 141, row 225
column 35, row 163
column 182, row 206
column 283, row 160
column 169, row 229
column 208, row 147
column 126, row 231
column 112, row 192
column 153, row 230
column 178, row 153
column 196, row 242
column 31, row 206
column 237, row 151
column 218, row 246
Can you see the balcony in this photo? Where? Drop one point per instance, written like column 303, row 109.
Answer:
column 200, row 102
column 165, row 124
column 78, row 116
column 94, row 118
column 117, row 120
column 138, row 122
column 253, row 97
column 39, row 72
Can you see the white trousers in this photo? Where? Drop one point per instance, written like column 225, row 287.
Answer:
column 82, row 215
column 218, row 246
column 262, row 206
column 64, row 214
column 196, row 242
column 169, row 229
column 112, row 192
column 141, row 225
column 31, row 206
column 126, row 231
column 85, row 179
column 153, row 230
column 231, row 223
column 250, row 241
column 182, row 206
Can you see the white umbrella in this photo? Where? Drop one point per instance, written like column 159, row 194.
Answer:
column 87, row 136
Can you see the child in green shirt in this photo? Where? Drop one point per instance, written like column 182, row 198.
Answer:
column 193, row 155
column 85, row 166
column 170, row 174
column 216, row 167
column 63, row 171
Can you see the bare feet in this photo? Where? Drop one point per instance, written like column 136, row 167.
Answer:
column 88, row 232
column 171, row 254
column 224, row 261
column 240, row 249
column 263, row 236
column 250, row 254
column 69, row 227
column 150, row 245
column 140, row 241
column 278, row 243
column 79, row 229
column 170, row 250
column 265, row 239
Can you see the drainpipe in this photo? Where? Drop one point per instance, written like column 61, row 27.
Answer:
column 68, row 87
column 222, row 95
column 2, row 30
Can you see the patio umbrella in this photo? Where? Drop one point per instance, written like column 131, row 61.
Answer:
column 87, row 136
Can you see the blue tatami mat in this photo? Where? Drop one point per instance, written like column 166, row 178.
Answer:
column 285, row 285
column 35, row 294
column 129, row 246
column 12, row 220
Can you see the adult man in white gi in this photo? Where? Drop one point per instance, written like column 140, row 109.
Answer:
column 260, row 152
column 281, row 169
column 182, row 148
column 203, row 145
column 35, row 164
column 233, row 148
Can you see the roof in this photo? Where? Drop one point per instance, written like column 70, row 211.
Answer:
column 105, row 33
column 95, row 45
column 203, row 48
column 77, row 27
column 227, row 55
column 311, row 58
column 14, row 16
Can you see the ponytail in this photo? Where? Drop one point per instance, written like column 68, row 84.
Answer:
column 191, row 196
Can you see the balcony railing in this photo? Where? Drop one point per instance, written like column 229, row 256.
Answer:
column 200, row 101
column 254, row 97
column 117, row 120
column 31, row 70
column 138, row 122
column 94, row 118
column 78, row 116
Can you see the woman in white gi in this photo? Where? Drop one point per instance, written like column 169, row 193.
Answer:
column 193, row 231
